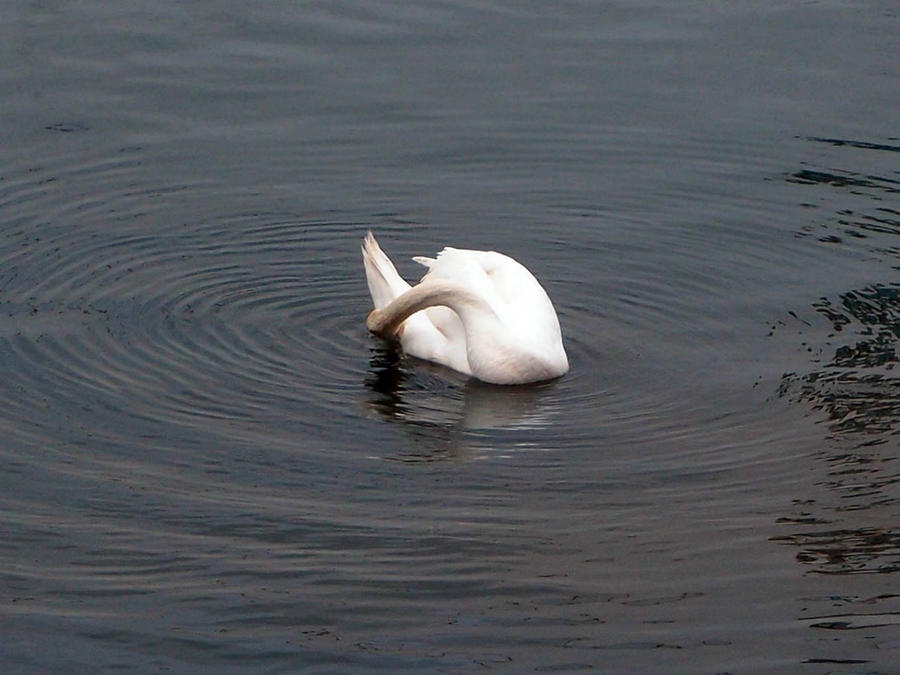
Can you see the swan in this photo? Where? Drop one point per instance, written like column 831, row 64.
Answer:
column 478, row 312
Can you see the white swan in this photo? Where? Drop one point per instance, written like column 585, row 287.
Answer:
column 478, row 312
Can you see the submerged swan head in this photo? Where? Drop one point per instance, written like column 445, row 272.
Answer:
column 478, row 312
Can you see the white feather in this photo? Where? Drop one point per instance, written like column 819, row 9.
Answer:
column 478, row 312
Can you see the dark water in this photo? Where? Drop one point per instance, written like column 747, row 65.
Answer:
column 207, row 465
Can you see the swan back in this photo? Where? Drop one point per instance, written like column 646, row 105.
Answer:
column 517, row 298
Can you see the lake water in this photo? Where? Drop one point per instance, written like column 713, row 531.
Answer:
column 208, row 466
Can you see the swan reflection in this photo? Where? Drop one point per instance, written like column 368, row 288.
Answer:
column 436, row 405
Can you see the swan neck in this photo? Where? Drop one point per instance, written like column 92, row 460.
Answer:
column 430, row 293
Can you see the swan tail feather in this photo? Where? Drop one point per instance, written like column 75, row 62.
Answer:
column 385, row 284
column 424, row 260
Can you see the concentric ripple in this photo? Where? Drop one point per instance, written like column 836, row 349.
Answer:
column 243, row 319
column 247, row 324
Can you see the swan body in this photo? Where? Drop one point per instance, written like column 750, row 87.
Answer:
column 478, row 312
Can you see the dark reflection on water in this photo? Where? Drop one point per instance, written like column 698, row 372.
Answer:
column 850, row 527
column 437, row 406
column 402, row 383
column 865, row 145
column 861, row 220
column 856, row 385
column 858, row 391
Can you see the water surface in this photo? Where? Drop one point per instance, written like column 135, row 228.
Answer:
column 206, row 463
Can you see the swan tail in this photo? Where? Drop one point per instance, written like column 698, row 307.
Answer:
column 385, row 284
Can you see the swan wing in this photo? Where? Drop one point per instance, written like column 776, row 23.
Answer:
column 510, row 288
column 436, row 334
column 467, row 268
